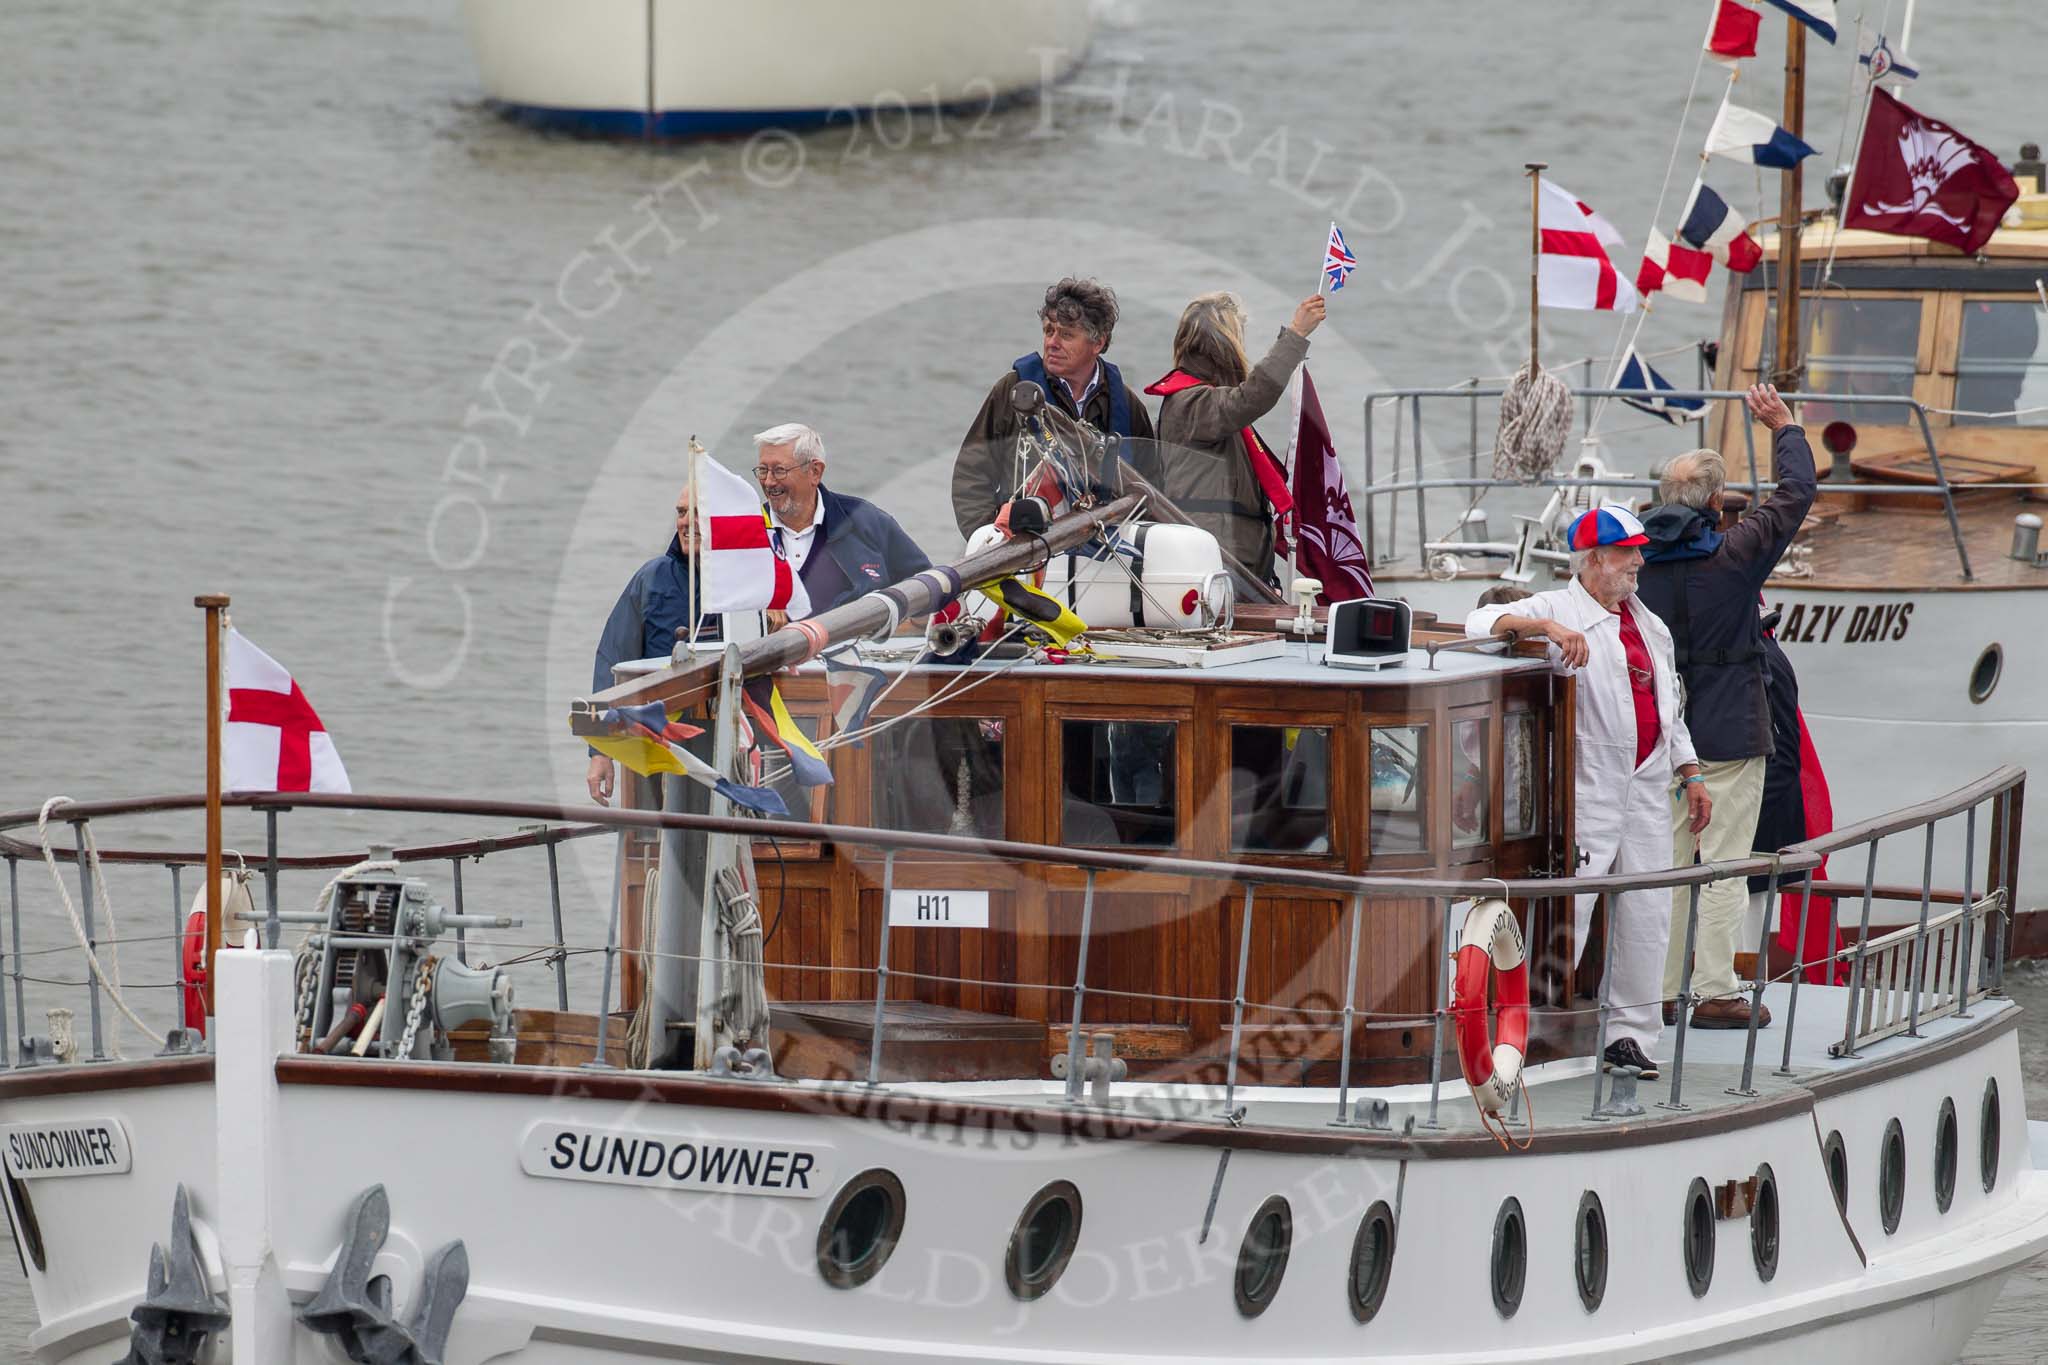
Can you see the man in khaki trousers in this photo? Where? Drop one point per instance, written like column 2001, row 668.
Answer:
column 1705, row 584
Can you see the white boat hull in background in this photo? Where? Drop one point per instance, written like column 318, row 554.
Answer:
column 682, row 67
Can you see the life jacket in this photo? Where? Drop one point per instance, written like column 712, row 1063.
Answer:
column 1031, row 369
column 1265, row 465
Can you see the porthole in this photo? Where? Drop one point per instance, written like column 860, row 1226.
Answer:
column 28, row 1232
column 1372, row 1261
column 1510, row 1257
column 1891, row 1177
column 1262, row 1259
column 1699, row 1238
column 860, row 1229
column 1987, row 1135
column 1945, row 1156
column 1836, row 1155
column 1763, row 1224
column 1043, row 1241
column 1984, row 676
column 1589, row 1251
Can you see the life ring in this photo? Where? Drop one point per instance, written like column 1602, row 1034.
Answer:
column 1491, row 948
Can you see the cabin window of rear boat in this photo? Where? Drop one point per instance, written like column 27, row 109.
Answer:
column 939, row 775
column 1400, row 789
column 1279, row 789
column 1119, row 786
column 1857, row 346
column 2002, row 365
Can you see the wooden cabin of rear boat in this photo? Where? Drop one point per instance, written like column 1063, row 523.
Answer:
column 1284, row 762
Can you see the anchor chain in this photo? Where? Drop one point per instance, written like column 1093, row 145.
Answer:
column 416, row 1008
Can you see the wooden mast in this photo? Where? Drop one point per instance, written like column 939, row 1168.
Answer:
column 1535, row 170
column 215, row 605
column 1789, row 369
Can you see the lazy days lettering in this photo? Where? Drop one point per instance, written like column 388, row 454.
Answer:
column 1818, row 624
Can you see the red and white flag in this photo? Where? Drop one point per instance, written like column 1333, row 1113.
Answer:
column 1679, row 271
column 742, row 570
column 1572, row 269
column 1327, row 544
column 1734, row 33
column 273, row 741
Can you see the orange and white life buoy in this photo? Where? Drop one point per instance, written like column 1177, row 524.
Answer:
column 1491, row 949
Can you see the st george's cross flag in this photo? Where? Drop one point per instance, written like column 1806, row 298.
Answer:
column 1917, row 177
column 1818, row 15
column 1676, row 270
column 742, row 570
column 1711, row 226
column 1733, row 36
column 1572, row 269
column 273, row 740
column 1338, row 262
column 1745, row 135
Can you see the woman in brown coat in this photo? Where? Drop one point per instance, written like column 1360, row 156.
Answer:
column 1215, row 467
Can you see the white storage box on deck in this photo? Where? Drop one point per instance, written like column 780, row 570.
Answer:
column 1175, row 581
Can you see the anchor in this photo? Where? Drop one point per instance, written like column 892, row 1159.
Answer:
column 179, row 1316
column 356, row 1308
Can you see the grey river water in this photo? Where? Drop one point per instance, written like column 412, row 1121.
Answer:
column 286, row 313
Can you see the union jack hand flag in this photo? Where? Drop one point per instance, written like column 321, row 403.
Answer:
column 1338, row 262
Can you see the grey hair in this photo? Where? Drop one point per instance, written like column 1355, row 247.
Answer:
column 807, row 444
column 1692, row 479
column 1087, row 304
column 1579, row 558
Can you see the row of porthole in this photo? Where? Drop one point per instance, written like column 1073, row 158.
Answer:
column 865, row 1220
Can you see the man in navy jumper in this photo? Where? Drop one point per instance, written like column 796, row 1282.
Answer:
column 840, row 546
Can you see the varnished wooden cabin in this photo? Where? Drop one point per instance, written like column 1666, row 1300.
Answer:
column 1450, row 769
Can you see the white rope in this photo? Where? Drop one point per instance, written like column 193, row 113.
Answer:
column 113, row 985
column 1535, row 423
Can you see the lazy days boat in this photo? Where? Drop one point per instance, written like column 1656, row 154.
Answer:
column 1163, row 997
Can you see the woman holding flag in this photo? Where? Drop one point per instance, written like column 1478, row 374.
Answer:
column 1216, row 468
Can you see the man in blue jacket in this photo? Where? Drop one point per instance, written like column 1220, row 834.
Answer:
column 840, row 546
column 1705, row 584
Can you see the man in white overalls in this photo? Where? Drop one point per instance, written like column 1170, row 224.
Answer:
column 1632, row 746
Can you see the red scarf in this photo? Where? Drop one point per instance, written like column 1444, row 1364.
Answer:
column 1265, row 466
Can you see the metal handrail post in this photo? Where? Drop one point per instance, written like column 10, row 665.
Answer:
column 273, row 928
column 1244, row 962
column 1692, row 927
column 881, row 970
column 1749, row 441
column 1746, row 1087
column 611, row 951
column 1473, row 464
column 1436, row 1028
column 1948, row 497
column 92, row 947
column 1606, row 999
column 561, row 945
column 1586, row 404
column 1966, row 941
column 461, row 934
column 1862, row 951
column 177, row 942
column 2004, row 884
column 1421, row 498
column 14, row 915
column 1080, row 991
column 1371, row 490
column 1918, row 967
column 1798, row 972
column 1350, row 999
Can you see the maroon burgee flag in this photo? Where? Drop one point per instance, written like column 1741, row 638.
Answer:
column 1326, row 531
column 1918, row 177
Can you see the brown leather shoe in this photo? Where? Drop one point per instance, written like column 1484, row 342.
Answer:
column 1729, row 1012
column 1670, row 1013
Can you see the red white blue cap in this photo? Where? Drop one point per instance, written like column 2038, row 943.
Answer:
column 1607, row 526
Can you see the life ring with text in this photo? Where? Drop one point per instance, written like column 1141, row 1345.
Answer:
column 1491, row 949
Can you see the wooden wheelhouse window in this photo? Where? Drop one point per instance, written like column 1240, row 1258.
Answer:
column 1857, row 345
column 1471, row 782
column 1118, row 783
column 939, row 775
column 1521, row 762
column 1279, row 789
column 2002, row 365
column 1400, row 789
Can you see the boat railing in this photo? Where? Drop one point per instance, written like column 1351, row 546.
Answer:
column 1897, row 983
column 1408, row 406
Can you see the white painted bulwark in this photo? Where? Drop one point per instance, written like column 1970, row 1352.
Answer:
column 39, row 1151
column 938, row 909
column 710, row 1162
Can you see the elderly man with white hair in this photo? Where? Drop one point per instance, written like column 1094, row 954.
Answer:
column 840, row 546
column 1631, row 745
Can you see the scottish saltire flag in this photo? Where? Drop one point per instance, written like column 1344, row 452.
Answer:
column 1745, row 135
column 1637, row 374
column 646, row 741
column 742, row 569
column 765, row 705
column 1338, row 262
column 273, row 740
column 1676, row 270
column 1733, row 36
column 1818, row 15
column 1885, row 64
column 1711, row 226
column 852, row 688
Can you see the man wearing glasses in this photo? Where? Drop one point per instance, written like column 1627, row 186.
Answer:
column 840, row 546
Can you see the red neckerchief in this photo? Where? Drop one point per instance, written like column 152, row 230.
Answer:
column 1265, row 467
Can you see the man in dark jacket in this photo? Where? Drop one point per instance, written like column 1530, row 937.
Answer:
column 650, row 616
column 840, row 546
column 1705, row 585
column 1075, row 324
